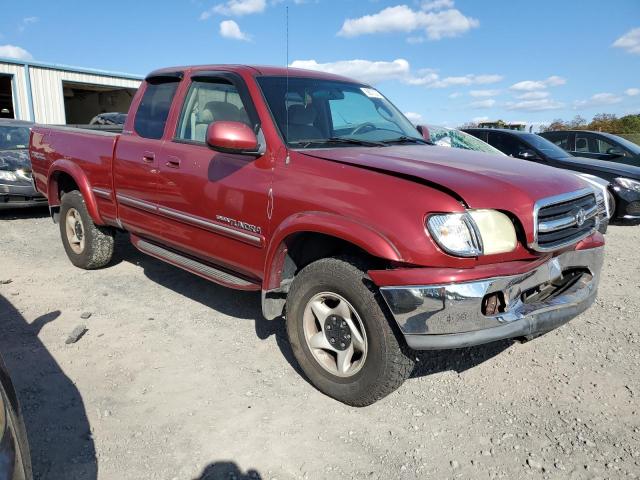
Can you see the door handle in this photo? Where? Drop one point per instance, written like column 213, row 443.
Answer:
column 173, row 162
column 148, row 157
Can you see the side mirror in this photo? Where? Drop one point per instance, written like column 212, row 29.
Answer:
column 424, row 131
column 232, row 137
column 616, row 152
column 528, row 155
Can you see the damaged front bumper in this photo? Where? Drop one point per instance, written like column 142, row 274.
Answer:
column 470, row 313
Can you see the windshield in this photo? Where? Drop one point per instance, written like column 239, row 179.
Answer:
column 449, row 137
column 545, row 146
column 311, row 112
column 14, row 138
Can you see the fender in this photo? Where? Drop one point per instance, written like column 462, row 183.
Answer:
column 78, row 175
column 348, row 229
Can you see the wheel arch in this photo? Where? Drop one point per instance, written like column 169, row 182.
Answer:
column 65, row 176
column 310, row 236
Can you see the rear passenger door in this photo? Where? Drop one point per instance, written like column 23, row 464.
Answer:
column 214, row 203
column 135, row 166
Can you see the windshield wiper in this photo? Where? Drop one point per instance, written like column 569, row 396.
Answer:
column 348, row 140
column 405, row 139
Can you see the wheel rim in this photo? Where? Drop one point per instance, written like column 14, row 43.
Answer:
column 75, row 230
column 335, row 334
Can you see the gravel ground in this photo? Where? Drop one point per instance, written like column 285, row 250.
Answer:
column 177, row 378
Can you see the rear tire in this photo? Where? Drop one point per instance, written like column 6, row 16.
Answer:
column 88, row 246
column 341, row 335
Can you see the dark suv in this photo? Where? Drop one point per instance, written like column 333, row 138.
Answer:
column 624, row 179
column 598, row 145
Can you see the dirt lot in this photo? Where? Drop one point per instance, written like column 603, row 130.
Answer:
column 177, row 378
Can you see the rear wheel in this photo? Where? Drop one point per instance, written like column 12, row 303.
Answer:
column 88, row 245
column 341, row 335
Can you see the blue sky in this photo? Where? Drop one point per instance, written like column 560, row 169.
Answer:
column 444, row 61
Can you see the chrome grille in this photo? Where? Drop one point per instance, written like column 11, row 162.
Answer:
column 565, row 219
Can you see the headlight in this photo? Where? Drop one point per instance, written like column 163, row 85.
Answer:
column 8, row 176
column 628, row 183
column 474, row 233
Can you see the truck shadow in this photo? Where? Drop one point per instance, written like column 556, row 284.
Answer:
column 246, row 306
column 54, row 414
column 227, row 470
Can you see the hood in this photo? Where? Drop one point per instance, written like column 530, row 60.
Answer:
column 15, row 160
column 480, row 180
column 613, row 169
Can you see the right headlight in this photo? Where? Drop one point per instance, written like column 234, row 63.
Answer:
column 628, row 183
column 473, row 233
column 8, row 176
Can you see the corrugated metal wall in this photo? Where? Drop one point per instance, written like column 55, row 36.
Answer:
column 20, row 102
column 48, row 99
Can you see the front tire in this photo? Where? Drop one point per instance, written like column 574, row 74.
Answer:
column 88, row 246
column 341, row 335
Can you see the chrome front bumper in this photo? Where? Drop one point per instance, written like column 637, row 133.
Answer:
column 435, row 317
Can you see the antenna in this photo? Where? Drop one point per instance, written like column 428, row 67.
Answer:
column 286, row 94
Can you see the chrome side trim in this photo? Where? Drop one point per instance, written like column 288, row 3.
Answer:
column 453, row 309
column 102, row 193
column 190, row 264
column 135, row 203
column 546, row 202
column 255, row 240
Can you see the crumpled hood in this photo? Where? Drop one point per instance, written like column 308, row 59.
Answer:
column 480, row 180
column 15, row 160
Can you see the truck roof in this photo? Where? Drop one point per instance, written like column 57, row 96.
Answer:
column 255, row 70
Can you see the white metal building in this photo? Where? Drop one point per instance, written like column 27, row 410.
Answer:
column 57, row 94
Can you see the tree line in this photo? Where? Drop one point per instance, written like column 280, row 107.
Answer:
column 602, row 122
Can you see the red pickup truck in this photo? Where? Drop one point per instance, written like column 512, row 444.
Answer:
column 316, row 190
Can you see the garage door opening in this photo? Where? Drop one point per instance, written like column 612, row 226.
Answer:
column 6, row 97
column 84, row 101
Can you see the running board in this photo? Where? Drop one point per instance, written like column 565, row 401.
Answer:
column 194, row 266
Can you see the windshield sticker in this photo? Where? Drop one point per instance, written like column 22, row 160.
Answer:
column 371, row 92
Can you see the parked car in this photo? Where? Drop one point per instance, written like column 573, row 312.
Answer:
column 110, row 118
column 15, row 459
column 16, row 187
column 598, row 145
column 624, row 180
column 316, row 190
column 451, row 137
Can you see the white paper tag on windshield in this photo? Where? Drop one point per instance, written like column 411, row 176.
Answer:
column 371, row 92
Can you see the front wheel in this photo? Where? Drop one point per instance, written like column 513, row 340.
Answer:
column 88, row 245
column 341, row 336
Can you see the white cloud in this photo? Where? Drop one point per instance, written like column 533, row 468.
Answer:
column 488, row 103
column 632, row 92
column 230, row 29
column 401, row 18
column 535, row 95
column 455, row 95
column 484, row 93
column 413, row 117
column 11, row 51
column 364, row 70
column 26, row 22
column 630, row 41
column 428, row 5
column 377, row 71
column 535, row 105
column 235, row 8
column 530, row 85
column 598, row 99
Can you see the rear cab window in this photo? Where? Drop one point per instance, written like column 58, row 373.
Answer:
column 153, row 110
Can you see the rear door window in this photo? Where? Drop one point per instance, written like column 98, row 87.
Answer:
column 152, row 113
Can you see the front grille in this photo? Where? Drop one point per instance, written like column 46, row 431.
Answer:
column 565, row 219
